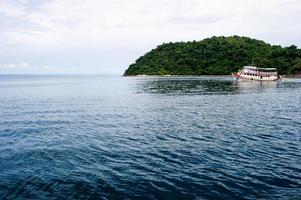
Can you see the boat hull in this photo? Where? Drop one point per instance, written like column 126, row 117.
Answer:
column 255, row 78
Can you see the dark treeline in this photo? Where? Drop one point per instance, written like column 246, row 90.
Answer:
column 216, row 56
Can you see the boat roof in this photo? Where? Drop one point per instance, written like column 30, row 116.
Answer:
column 267, row 68
column 253, row 67
column 250, row 67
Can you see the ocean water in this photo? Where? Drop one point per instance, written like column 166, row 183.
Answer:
column 96, row 137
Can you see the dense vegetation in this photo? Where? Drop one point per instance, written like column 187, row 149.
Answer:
column 215, row 56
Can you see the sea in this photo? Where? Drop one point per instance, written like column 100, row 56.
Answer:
column 112, row 137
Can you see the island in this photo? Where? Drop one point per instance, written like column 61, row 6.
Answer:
column 216, row 56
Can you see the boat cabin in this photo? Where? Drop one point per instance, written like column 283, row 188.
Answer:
column 259, row 72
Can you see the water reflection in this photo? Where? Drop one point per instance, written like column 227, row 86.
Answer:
column 261, row 86
column 186, row 86
column 254, row 86
column 203, row 85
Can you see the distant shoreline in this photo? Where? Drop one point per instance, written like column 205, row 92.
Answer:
column 145, row 75
column 118, row 75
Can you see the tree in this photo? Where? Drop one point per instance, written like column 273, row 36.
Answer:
column 216, row 55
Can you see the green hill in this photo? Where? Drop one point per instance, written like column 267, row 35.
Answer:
column 215, row 56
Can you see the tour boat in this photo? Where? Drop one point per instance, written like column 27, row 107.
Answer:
column 259, row 74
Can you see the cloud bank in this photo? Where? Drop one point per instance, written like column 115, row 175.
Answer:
column 25, row 68
column 104, row 36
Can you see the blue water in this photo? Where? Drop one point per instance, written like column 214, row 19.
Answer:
column 94, row 137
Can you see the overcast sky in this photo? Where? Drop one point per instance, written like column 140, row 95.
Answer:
column 105, row 36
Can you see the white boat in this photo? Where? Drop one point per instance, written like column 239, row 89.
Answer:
column 258, row 74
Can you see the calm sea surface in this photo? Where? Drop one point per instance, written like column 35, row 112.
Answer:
column 94, row 137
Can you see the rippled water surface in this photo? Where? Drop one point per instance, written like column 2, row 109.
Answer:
column 93, row 137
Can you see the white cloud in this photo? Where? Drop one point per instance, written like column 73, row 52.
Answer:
column 26, row 68
column 25, row 65
column 130, row 26
column 84, row 22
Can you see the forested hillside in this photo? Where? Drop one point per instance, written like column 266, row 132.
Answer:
column 215, row 56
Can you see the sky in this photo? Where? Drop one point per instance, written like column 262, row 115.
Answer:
column 105, row 36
